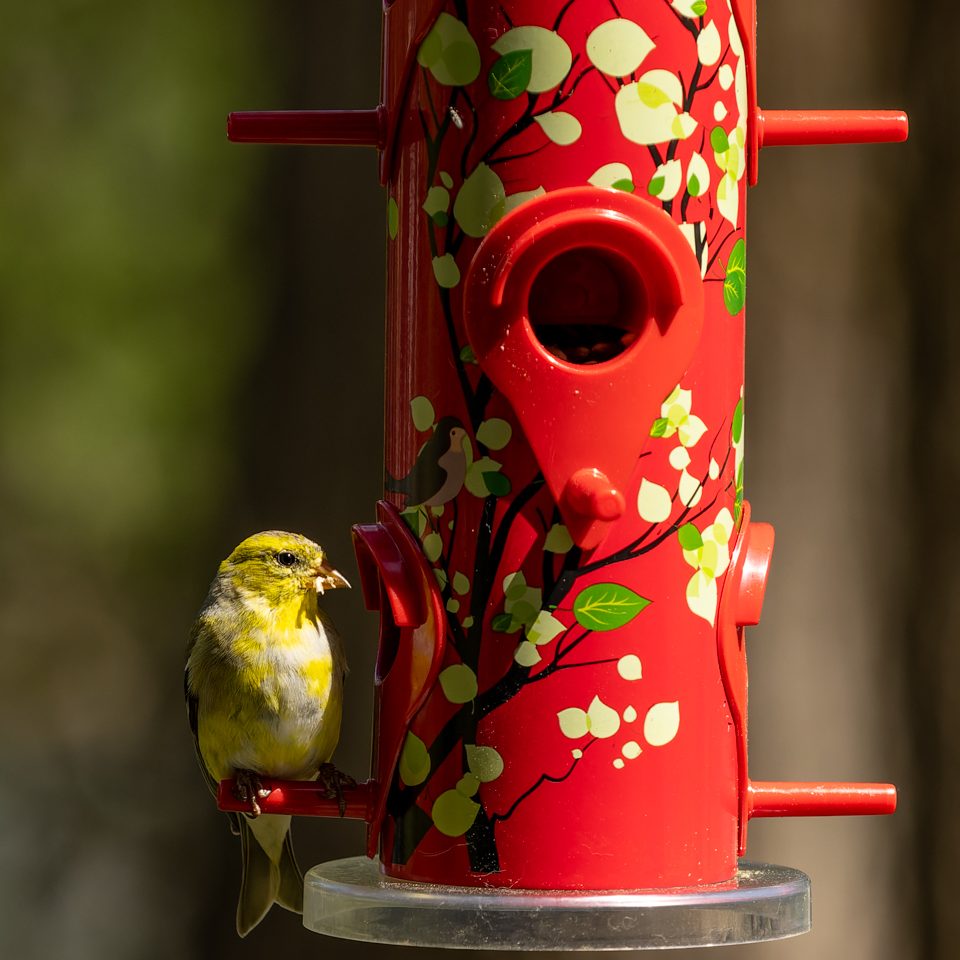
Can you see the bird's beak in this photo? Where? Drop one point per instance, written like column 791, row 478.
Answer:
column 329, row 579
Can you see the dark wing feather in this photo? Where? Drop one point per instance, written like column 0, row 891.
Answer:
column 193, row 718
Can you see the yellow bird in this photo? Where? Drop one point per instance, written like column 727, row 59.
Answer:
column 264, row 689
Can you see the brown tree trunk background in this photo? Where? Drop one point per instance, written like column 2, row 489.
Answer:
column 111, row 847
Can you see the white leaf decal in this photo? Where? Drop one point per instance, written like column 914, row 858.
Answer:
column 618, row 47
column 653, row 502
column 666, row 180
column 562, row 128
column 661, row 724
column 573, row 723
column 728, row 198
column 527, row 655
column 702, row 596
column 708, row 44
column 602, row 721
column 691, row 490
column 544, row 629
column 698, row 176
column 611, row 173
column 630, row 667
column 552, row 58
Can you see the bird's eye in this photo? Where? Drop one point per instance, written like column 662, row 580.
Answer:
column 286, row 558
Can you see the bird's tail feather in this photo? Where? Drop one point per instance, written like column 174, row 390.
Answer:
column 397, row 484
column 259, row 883
column 290, row 893
column 270, row 871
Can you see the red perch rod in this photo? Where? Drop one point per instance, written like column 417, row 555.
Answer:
column 821, row 799
column 357, row 128
column 303, row 798
column 784, row 128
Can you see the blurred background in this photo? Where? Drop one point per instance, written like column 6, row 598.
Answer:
column 191, row 350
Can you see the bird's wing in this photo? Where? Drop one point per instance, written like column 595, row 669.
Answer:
column 193, row 718
column 425, row 478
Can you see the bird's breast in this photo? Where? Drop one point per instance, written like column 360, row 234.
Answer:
column 289, row 702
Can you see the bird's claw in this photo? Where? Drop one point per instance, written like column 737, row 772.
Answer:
column 333, row 782
column 249, row 789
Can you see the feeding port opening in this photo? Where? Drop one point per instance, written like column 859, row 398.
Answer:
column 588, row 305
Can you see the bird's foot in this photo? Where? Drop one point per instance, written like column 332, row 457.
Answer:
column 249, row 789
column 333, row 782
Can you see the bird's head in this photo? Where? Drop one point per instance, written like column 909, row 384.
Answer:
column 279, row 567
column 452, row 433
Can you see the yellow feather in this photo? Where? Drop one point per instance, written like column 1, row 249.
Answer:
column 265, row 683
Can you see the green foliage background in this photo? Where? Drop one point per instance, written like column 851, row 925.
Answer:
column 191, row 349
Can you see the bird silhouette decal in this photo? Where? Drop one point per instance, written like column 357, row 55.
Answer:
column 440, row 469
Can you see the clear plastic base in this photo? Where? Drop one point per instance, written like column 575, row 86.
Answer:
column 350, row 899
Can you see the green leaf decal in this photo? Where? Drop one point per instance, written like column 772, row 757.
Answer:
column 607, row 606
column 446, row 271
column 459, row 683
column 689, row 537
column 484, row 763
column 453, row 813
column 450, row 53
column 468, row 785
column 693, row 186
column 494, row 433
column 735, row 285
column 502, row 623
column 699, row 7
column 421, row 409
column 497, row 483
column 510, row 76
column 719, row 140
column 659, row 427
column 515, row 587
column 656, row 185
column 414, row 761
column 627, row 186
column 558, row 539
column 738, row 423
column 415, row 520
column 393, row 219
column 438, row 199
column 467, row 355
column 433, row 546
column 481, row 202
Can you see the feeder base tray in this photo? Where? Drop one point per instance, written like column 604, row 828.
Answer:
column 352, row 900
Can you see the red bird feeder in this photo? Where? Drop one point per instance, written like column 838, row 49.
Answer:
column 564, row 562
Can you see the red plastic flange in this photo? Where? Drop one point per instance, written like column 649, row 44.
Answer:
column 607, row 407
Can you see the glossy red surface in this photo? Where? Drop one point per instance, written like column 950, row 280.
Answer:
column 798, row 128
column 568, row 566
column 603, row 411
column 555, row 815
column 821, row 799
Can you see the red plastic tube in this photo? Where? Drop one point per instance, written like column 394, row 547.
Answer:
column 303, row 798
column 359, row 128
column 779, row 128
column 776, row 799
